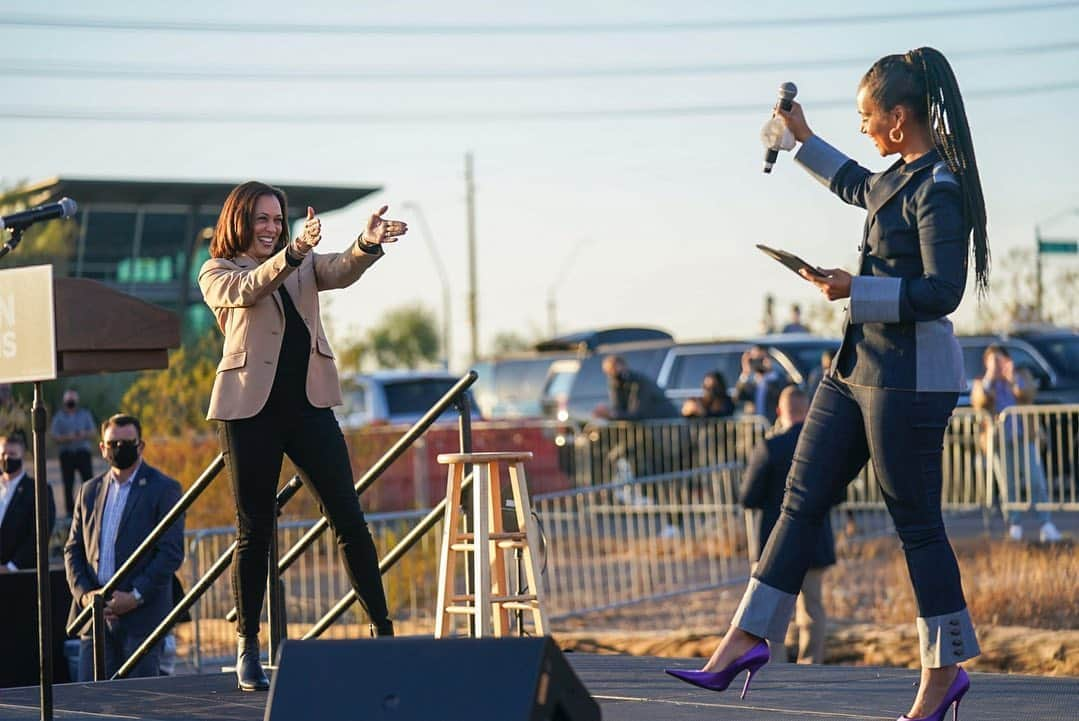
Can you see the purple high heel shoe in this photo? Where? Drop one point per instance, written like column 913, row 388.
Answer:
column 751, row 660
column 959, row 686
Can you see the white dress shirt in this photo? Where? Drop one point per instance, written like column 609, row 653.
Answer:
column 7, row 492
column 110, row 522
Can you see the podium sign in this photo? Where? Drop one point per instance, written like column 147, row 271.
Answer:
column 27, row 325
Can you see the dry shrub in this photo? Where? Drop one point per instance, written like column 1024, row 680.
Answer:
column 1012, row 584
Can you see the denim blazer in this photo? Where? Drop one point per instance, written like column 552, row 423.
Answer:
column 911, row 275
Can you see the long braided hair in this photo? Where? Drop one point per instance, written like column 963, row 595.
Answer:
column 923, row 81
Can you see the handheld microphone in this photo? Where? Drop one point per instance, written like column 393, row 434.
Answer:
column 787, row 91
column 63, row 208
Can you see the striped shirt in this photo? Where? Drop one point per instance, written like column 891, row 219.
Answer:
column 110, row 522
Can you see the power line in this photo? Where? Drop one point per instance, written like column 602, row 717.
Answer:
column 45, row 68
column 649, row 27
column 451, row 116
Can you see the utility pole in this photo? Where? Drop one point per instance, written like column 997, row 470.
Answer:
column 470, row 204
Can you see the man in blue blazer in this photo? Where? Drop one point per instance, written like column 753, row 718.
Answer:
column 18, row 513
column 762, row 488
column 114, row 513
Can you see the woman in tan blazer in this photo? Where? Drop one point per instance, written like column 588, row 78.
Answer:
column 275, row 387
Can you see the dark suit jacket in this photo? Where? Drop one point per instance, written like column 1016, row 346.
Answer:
column 911, row 274
column 18, row 538
column 763, row 484
column 152, row 495
column 637, row 398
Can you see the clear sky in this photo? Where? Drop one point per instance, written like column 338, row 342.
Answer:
column 658, row 210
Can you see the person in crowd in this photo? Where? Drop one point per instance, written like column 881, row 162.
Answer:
column 114, row 513
column 275, row 387
column 762, row 490
column 897, row 375
column 760, row 384
column 73, row 428
column 1017, row 463
column 817, row 374
column 18, row 507
column 795, row 324
column 633, row 396
column 714, row 401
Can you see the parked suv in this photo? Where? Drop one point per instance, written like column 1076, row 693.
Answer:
column 574, row 387
column 512, row 386
column 391, row 397
column 794, row 356
column 1050, row 354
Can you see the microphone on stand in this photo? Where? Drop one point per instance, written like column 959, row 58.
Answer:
column 774, row 136
column 63, row 208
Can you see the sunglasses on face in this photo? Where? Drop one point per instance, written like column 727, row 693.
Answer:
column 117, row 444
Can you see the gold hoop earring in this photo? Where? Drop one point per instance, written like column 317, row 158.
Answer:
column 891, row 135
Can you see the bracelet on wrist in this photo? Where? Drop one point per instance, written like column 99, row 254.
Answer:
column 365, row 246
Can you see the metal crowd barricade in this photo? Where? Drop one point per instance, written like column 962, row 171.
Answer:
column 613, row 452
column 1033, row 457
column 642, row 539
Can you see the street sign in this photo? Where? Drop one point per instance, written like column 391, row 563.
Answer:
column 27, row 335
column 1058, row 246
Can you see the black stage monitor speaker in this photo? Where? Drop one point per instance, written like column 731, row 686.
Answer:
column 424, row 679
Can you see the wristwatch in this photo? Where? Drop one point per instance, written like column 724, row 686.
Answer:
column 138, row 596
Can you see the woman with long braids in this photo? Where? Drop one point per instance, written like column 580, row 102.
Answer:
column 274, row 390
column 898, row 373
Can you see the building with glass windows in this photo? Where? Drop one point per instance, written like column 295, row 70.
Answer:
column 149, row 238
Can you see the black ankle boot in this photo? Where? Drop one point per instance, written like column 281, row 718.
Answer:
column 249, row 673
column 383, row 628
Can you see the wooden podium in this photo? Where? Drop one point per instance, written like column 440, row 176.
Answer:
column 97, row 330
column 101, row 330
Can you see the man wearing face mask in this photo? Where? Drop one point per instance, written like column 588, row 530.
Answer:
column 73, row 428
column 114, row 513
column 18, row 536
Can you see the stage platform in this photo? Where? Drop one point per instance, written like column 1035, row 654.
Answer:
column 628, row 688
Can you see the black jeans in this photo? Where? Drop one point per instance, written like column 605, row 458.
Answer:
column 311, row 438
column 902, row 434
column 71, row 461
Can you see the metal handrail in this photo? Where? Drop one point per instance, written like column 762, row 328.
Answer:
column 151, row 540
column 388, row 458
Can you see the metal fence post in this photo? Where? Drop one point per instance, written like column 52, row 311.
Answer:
column 97, row 616
column 196, row 637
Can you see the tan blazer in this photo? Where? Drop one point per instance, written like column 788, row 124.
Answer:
column 241, row 293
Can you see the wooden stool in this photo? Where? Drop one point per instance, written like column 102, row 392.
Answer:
column 488, row 545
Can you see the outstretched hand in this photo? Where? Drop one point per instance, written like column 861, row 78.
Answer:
column 312, row 233
column 381, row 230
column 834, row 285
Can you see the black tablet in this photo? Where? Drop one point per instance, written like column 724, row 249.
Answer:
column 791, row 260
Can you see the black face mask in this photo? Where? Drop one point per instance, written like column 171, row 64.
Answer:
column 123, row 457
column 11, row 466
column 69, row 404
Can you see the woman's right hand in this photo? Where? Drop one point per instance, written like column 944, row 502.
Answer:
column 796, row 122
column 311, row 235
